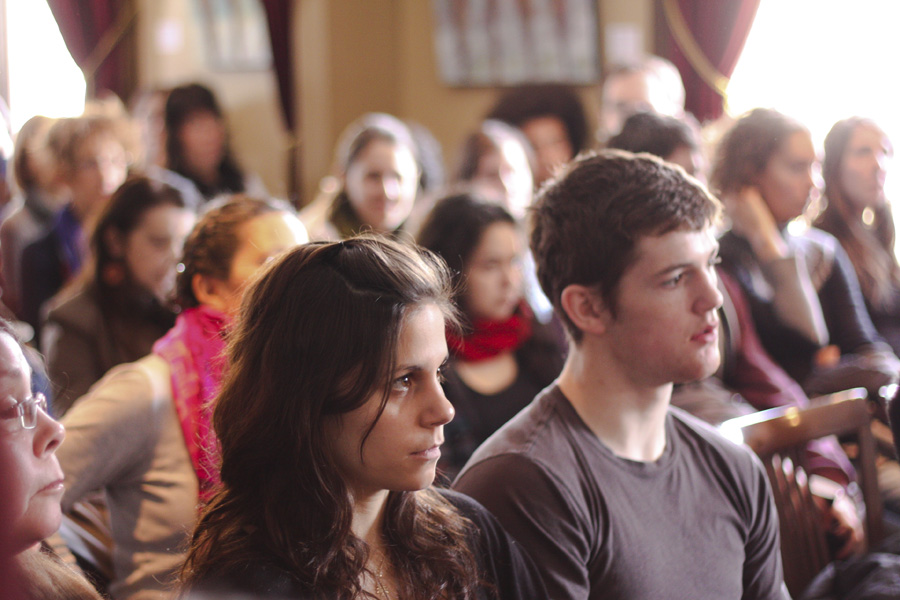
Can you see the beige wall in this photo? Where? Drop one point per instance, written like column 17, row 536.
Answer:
column 353, row 56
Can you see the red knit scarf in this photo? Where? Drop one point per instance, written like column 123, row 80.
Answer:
column 490, row 338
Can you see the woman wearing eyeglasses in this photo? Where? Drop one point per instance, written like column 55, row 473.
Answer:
column 142, row 433
column 32, row 485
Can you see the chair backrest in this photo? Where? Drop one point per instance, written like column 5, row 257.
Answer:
column 779, row 437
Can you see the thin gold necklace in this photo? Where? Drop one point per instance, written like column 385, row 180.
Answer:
column 381, row 589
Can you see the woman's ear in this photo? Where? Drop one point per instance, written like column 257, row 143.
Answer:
column 585, row 308
column 115, row 242
column 210, row 291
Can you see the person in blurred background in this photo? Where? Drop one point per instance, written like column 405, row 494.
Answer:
column 379, row 181
column 551, row 117
column 197, row 149
column 91, row 163
column 857, row 213
column 652, row 84
column 122, row 302
column 672, row 139
column 504, row 356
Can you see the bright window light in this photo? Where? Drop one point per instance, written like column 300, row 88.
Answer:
column 821, row 61
column 43, row 78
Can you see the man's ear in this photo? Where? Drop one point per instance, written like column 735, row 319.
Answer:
column 209, row 291
column 585, row 308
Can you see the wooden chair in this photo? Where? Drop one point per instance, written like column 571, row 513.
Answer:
column 779, row 437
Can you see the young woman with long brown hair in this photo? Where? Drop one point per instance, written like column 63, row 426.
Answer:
column 330, row 421
column 859, row 215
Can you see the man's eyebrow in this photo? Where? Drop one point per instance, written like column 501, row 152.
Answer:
column 672, row 268
column 684, row 265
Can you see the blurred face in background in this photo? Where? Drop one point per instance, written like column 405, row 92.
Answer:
column 624, row 95
column 101, row 165
column 202, row 137
column 550, row 140
column 153, row 248
column 787, row 180
column 381, row 183
column 690, row 159
column 864, row 166
column 493, row 274
column 504, row 175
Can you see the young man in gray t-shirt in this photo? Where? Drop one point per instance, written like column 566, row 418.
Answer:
column 614, row 493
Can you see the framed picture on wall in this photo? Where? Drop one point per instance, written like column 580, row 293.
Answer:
column 509, row 42
column 235, row 34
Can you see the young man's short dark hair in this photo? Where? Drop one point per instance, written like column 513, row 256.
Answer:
column 588, row 219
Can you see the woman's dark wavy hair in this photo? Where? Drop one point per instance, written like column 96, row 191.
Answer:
column 454, row 228
column 212, row 243
column 316, row 337
column 746, row 149
column 184, row 102
column 871, row 249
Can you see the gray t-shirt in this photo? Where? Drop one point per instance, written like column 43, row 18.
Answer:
column 699, row 523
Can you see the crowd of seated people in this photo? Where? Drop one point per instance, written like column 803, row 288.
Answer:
column 143, row 433
column 497, row 387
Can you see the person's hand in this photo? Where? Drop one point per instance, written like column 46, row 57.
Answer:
column 843, row 526
column 752, row 220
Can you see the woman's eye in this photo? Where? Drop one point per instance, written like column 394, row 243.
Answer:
column 672, row 282
column 401, row 384
column 8, row 408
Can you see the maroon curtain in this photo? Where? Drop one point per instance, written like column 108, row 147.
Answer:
column 278, row 15
column 83, row 24
column 279, row 18
column 720, row 30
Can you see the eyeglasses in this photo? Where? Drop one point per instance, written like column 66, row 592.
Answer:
column 27, row 410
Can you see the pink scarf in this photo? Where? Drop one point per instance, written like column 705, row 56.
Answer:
column 194, row 350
